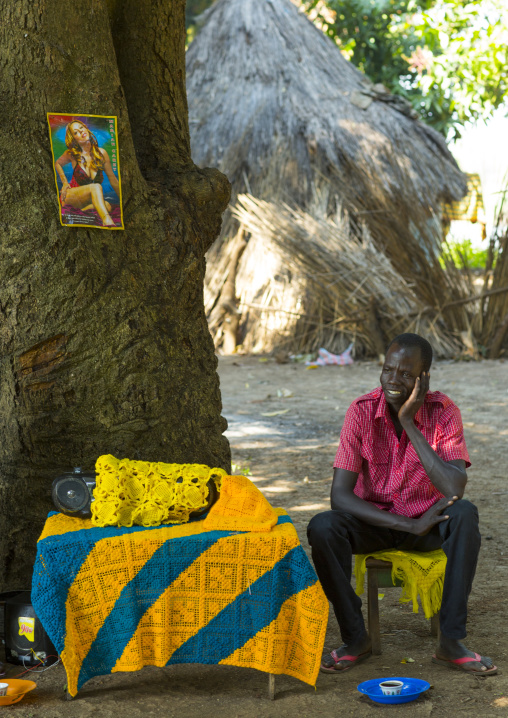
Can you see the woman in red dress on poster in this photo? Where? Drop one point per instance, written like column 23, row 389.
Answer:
column 89, row 162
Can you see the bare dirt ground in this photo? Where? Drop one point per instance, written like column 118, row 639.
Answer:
column 290, row 458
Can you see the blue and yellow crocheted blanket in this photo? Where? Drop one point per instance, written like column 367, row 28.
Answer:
column 209, row 591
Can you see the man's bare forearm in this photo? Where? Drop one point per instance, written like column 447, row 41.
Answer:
column 449, row 479
column 354, row 505
column 344, row 500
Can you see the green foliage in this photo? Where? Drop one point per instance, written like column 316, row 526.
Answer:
column 464, row 255
column 193, row 8
column 241, row 469
column 447, row 57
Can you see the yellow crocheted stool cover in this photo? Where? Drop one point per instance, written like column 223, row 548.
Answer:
column 420, row 573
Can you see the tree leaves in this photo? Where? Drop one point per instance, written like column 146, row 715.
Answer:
column 446, row 57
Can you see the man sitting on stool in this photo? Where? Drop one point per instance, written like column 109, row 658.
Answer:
column 401, row 452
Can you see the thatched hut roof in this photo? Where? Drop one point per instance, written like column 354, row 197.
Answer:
column 276, row 107
column 312, row 283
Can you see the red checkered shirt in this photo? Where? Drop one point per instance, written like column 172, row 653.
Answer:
column 390, row 474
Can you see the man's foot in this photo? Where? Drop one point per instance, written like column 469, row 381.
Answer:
column 454, row 654
column 346, row 657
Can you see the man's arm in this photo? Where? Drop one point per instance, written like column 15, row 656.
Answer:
column 343, row 498
column 449, row 477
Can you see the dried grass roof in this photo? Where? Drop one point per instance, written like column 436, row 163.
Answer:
column 307, row 283
column 276, row 107
column 271, row 103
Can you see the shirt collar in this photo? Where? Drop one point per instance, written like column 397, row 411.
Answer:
column 382, row 407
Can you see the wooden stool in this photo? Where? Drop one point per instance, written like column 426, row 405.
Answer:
column 379, row 575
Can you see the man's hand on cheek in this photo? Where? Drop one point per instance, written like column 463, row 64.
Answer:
column 408, row 410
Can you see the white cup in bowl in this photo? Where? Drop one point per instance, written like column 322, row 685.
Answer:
column 391, row 688
column 3, row 689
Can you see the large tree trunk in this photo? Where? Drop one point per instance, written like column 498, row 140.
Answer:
column 104, row 346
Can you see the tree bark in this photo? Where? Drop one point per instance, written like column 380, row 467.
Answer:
column 104, row 346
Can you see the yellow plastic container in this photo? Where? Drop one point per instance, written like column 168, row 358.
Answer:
column 16, row 690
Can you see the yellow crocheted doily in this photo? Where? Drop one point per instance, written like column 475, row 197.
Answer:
column 147, row 493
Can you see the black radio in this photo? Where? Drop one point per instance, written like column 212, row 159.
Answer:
column 72, row 493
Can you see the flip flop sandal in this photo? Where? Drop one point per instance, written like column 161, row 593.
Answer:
column 353, row 660
column 462, row 664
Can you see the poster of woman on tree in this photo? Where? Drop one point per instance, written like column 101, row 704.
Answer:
column 87, row 170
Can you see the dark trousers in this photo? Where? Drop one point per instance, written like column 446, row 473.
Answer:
column 335, row 536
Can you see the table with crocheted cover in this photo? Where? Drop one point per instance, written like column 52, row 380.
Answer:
column 235, row 588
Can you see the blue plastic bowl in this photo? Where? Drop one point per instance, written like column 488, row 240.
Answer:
column 411, row 689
